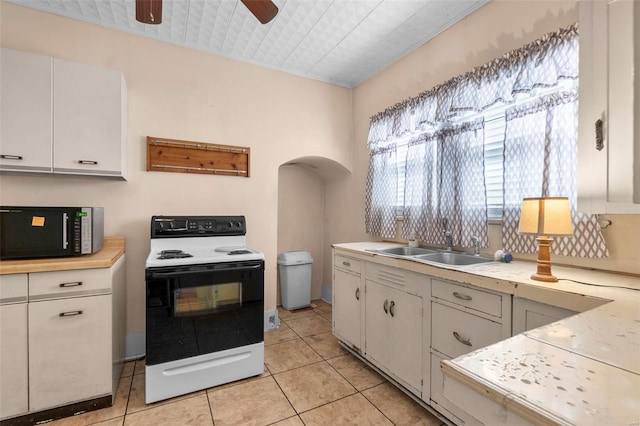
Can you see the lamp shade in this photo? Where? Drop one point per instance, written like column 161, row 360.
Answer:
column 550, row 216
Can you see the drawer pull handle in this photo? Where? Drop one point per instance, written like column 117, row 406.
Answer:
column 71, row 284
column 347, row 264
column 70, row 313
column 461, row 340
column 88, row 162
column 11, row 157
column 599, row 135
column 385, row 306
column 358, row 293
column 462, row 296
column 391, row 306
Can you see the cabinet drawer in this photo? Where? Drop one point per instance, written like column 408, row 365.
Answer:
column 13, row 288
column 455, row 333
column 471, row 298
column 395, row 277
column 348, row 264
column 60, row 284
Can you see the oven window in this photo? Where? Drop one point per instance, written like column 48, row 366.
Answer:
column 201, row 299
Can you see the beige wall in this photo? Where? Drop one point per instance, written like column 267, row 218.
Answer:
column 301, row 218
column 184, row 94
column 491, row 31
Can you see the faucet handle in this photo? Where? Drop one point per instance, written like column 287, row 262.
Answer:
column 476, row 245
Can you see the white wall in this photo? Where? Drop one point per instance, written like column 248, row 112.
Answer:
column 184, row 94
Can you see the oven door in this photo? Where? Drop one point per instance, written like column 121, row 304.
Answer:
column 200, row 309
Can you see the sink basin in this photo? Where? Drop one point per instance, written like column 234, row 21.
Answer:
column 406, row 251
column 456, row 259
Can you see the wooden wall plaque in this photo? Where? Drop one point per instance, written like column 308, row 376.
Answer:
column 171, row 155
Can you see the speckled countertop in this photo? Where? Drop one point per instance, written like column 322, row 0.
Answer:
column 581, row 370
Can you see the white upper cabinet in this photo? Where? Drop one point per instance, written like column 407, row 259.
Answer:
column 25, row 112
column 62, row 117
column 609, row 172
column 89, row 115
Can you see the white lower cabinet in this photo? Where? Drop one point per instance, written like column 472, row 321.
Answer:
column 348, row 294
column 393, row 333
column 528, row 314
column 405, row 323
column 69, row 350
column 62, row 339
column 14, row 368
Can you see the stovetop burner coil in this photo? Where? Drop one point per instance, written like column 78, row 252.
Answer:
column 173, row 254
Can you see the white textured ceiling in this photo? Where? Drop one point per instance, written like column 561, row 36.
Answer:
column 343, row 42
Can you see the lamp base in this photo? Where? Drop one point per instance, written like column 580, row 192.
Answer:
column 544, row 261
column 544, row 277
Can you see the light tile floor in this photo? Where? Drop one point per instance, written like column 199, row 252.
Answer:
column 309, row 379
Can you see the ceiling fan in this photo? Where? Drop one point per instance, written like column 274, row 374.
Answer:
column 150, row 11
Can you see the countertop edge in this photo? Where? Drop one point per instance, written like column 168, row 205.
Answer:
column 112, row 250
column 514, row 403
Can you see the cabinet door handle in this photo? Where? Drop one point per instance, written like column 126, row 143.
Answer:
column 461, row 340
column 462, row 296
column 391, row 306
column 71, row 284
column 70, row 313
column 385, row 306
column 358, row 293
column 599, row 135
column 88, row 162
column 11, row 157
column 347, row 264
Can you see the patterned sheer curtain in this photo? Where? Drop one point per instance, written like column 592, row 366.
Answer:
column 382, row 192
column 444, row 186
column 542, row 64
column 540, row 160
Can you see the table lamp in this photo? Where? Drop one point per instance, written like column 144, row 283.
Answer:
column 545, row 217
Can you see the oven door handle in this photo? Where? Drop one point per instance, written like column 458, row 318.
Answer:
column 204, row 271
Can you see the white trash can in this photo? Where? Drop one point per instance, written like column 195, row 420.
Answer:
column 295, row 279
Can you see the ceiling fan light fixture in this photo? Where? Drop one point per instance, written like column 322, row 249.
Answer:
column 149, row 11
column 263, row 10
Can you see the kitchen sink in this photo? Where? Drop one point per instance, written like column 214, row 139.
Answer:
column 406, row 251
column 456, row 259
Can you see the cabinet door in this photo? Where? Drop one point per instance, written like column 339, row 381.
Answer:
column 346, row 307
column 69, row 350
column 528, row 314
column 25, row 111
column 608, row 181
column 88, row 119
column 376, row 323
column 405, row 332
column 14, row 397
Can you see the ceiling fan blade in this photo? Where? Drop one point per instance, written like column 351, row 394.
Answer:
column 149, row 11
column 264, row 10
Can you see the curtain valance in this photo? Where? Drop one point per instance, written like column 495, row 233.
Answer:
column 542, row 63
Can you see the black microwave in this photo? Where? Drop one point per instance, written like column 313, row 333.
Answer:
column 32, row 232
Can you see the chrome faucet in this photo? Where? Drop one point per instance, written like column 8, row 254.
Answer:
column 448, row 240
column 476, row 245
